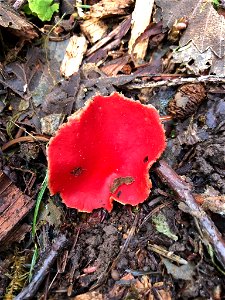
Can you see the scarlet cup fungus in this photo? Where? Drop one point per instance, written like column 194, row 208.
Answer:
column 104, row 152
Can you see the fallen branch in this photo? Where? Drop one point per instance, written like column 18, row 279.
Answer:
column 140, row 84
column 29, row 292
column 183, row 191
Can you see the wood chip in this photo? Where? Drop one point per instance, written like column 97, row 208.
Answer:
column 108, row 8
column 74, row 55
column 140, row 20
column 94, row 29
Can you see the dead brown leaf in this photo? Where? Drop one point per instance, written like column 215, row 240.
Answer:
column 114, row 66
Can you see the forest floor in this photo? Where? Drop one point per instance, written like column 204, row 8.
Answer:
column 169, row 54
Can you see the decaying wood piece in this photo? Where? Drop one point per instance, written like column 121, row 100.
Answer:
column 183, row 191
column 44, row 266
column 14, row 205
column 74, row 55
column 140, row 20
column 108, row 8
column 15, row 236
column 94, row 29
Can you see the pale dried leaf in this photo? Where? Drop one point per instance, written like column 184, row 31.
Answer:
column 206, row 27
column 184, row 272
column 89, row 296
column 50, row 123
column 194, row 61
column 52, row 214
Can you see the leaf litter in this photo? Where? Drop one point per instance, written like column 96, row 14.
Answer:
column 145, row 252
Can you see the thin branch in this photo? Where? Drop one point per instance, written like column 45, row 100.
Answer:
column 174, row 81
column 183, row 191
column 30, row 291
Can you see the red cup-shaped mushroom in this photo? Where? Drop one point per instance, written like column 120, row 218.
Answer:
column 104, row 152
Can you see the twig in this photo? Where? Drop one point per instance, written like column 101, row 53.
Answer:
column 183, row 191
column 175, row 81
column 28, row 139
column 30, row 291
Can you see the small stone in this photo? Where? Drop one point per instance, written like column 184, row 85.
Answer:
column 50, row 123
column 115, row 274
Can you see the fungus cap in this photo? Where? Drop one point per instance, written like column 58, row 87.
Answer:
column 104, row 152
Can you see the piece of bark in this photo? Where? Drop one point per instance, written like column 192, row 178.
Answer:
column 102, row 53
column 183, row 191
column 108, row 8
column 16, row 235
column 140, row 20
column 94, row 29
column 117, row 33
column 74, row 55
column 44, row 267
column 14, row 205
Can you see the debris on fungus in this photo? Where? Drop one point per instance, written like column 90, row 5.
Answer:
column 104, row 152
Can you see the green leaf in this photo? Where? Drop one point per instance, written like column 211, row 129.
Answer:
column 162, row 226
column 38, row 203
column 43, row 8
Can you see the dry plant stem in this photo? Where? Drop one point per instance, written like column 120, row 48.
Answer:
column 183, row 191
column 30, row 139
column 175, row 81
column 30, row 291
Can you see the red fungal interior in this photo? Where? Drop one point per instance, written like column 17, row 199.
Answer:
column 110, row 138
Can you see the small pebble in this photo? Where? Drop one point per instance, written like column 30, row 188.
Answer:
column 115, row 274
